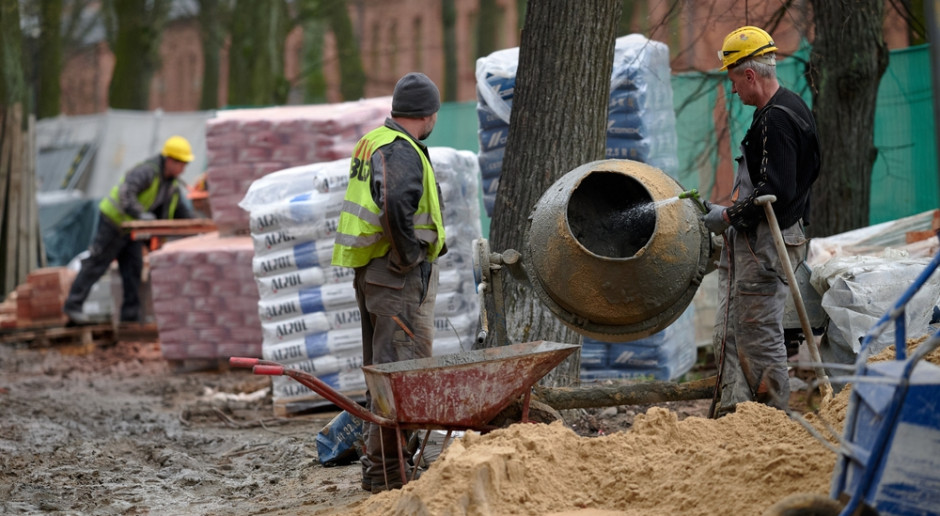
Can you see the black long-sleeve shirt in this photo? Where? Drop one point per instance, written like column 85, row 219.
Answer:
column 782, row 155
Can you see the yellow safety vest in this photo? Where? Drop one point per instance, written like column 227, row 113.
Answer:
column 111, row 205
column 359, row 237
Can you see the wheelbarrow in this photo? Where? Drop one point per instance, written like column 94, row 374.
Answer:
column 887, row 461
column 462, row 391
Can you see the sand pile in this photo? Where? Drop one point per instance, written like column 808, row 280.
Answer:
column 740, row 464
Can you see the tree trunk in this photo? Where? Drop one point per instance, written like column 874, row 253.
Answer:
column 352, row 76
column 50, row 59
column 138, row 26
column 212, row 37
column 256, row 55
column 848, row 59
column 449, row 17
column 314, row 77
column 615, row 395
column 558, row 122
column 488, row 27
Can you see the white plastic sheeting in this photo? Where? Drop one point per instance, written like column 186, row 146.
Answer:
column 124, row 138
column 861, row 274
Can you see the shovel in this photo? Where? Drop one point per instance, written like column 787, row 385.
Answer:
column 766, row 201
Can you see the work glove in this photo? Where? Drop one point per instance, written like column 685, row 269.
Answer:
column 147, row 216
column 714, row 220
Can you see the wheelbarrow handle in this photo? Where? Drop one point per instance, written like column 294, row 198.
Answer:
column 271, row 368
column 243, row 361
column 268, row 369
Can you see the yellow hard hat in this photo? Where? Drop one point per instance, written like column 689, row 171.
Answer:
column 178, row 148
column 743, row 43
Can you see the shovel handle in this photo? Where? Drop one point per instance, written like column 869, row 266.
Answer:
column 766, row 201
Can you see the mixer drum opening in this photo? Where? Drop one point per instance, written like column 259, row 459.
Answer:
column 611, row 214
column 613, row 252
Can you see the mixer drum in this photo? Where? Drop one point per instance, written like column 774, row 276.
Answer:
column 613, row 252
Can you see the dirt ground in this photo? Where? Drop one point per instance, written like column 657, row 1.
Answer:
column 118, row 432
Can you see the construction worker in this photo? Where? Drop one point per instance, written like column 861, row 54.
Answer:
column 779, row 156
column 391, row 232
column 149, row 191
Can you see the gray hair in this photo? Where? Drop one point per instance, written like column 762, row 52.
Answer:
column 765, row 66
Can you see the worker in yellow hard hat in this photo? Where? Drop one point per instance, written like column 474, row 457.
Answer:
column 779, row 157
column 149, row 191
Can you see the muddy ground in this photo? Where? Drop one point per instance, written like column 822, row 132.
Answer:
column 119, row 432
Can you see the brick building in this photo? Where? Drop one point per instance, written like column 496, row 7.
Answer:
column 397, row 36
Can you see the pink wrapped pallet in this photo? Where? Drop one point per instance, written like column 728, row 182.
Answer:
column 246, row 144
column 204, row 298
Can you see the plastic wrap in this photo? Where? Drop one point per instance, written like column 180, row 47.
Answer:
column 641, row 123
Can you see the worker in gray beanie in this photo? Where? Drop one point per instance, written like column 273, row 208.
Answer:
column 391, row 231
column 415, row 97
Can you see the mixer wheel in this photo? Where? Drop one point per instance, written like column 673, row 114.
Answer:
column 805, row 505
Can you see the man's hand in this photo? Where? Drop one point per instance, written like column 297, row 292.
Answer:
column 715, row 218
column 147, row 216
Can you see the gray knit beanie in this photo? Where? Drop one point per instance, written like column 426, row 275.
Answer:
column 415, row 96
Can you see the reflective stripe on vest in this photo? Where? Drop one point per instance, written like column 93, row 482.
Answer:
column 360, row 237
column 110, row 206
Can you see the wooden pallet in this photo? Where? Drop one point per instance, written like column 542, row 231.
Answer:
column 137, row 332
column 194, row 365
column 301, row 406
column 77, row 340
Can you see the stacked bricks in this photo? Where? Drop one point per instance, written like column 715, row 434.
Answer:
column 204, row 293
column 247, row 144
column 204, row 298
column 40, row 299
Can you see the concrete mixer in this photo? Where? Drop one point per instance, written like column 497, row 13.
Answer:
column 612, row 251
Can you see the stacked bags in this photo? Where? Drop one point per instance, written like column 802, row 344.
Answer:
column 666, row 355
column 308, row 311
column 641, row 123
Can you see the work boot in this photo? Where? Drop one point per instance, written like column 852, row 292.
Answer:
column 394, row 482
column 77, row 318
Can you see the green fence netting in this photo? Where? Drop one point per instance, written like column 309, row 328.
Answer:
column 904, row 178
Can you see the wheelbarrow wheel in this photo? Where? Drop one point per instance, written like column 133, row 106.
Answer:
column 805, row 505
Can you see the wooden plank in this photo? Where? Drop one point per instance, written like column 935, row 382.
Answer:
column 5, row 151
column 37, row 251
column 192, row 365
column 137, row 332
column 4, row 155
column 13, row 197
column 303, row 405
column 161, row 224
column 23, row 265
column 148, row 229
column 100, row 334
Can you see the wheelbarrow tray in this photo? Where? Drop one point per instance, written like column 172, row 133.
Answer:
column 460, row 391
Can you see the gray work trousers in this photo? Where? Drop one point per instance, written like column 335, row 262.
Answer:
column 397, row 324
column 110, row 243
column 752, row 295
